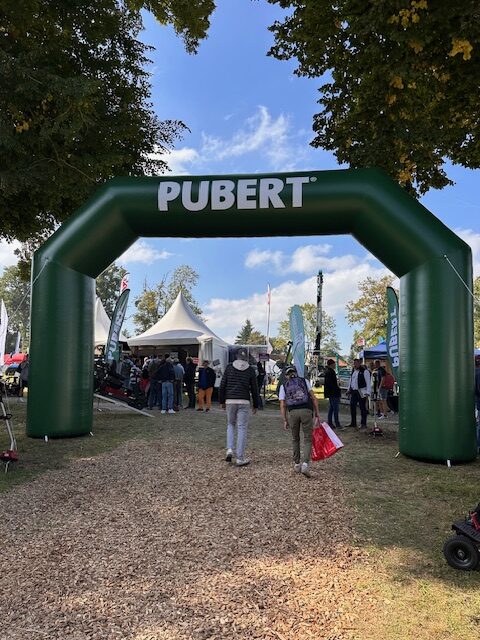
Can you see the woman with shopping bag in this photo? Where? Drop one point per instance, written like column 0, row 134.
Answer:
column 297, row 405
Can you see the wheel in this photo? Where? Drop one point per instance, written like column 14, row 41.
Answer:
column 461, row 553
column 139, row 404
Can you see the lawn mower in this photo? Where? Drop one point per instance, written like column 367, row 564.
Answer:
column 110, row 384
column 462, row 550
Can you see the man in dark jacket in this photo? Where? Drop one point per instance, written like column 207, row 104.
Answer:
column 331, row 390
column 165, row 375
column 239, row 384
column 206, row 382
column 189, row 379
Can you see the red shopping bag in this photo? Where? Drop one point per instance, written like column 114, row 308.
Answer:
column 325, row 441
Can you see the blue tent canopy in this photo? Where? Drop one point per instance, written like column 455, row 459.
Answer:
column 379, row 351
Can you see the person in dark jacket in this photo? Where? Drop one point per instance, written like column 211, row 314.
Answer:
column 238, row 386
column 331, row 390
column 359, row 390
column 206, row 382
column 165, row 375
column 189, row 379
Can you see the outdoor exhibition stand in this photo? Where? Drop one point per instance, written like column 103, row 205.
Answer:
column 436, row 318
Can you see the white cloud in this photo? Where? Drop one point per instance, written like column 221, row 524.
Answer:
column 141, row 251
column 306, row 260
column 473, row 239
column 7, row 256
column 280, row 147
column 226, row 316
column 178, row 160
column 258, row 258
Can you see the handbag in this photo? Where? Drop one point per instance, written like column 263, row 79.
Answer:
column 325, row 441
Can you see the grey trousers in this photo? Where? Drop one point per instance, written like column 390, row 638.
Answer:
column 301, row 418
column 237, row 416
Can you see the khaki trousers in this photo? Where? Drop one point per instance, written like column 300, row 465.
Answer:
column 301, row 418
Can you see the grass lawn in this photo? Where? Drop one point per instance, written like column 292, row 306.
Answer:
column 400, row 510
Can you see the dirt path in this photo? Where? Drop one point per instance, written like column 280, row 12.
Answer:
column 157, row 540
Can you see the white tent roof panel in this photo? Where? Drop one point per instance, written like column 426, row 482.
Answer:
column 178, row 326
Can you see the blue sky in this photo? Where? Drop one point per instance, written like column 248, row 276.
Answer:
column 248, row 113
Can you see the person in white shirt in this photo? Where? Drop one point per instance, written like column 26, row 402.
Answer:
column 359, row 391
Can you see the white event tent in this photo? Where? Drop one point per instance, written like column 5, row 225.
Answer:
column 102, row 325
column 179, row 326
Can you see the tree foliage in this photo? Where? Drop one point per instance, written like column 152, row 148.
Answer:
column 369, row 311
column 108, row 286
column 15, row 292
column 154, row 302
column 249, row 335
column 74, row 103
column 400, row 82
column 329, row 344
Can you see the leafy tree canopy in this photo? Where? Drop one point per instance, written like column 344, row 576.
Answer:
column 249, row 335
column 400, row 82
column 329, row 344
column 15, row 292
column 369, row 311
column 108, row 286
column 74, row 103
column 154, row 302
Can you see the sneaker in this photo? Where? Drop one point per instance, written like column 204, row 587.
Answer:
column 207, row 410
column 381, row 417
column 169, row 411
column 199, row 409
column 305, row 470
column 243, row 462
column 229, row 456
column 353, row 426
column 163, row 411
column 297, row 467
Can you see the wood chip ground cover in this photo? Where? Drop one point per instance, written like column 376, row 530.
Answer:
column 161, row 539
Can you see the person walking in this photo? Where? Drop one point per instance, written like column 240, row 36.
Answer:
column 237, row 389
column 165, row 376
column 332, row 391
column 178, row 387
column 189, row 379
column 206, row 382
column 359, row 390
column 298, row 403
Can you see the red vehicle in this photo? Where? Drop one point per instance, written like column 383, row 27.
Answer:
column 111, row 385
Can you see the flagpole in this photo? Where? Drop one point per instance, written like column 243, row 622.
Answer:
column 268, row 314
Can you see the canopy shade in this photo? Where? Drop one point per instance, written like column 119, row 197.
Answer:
column 178, row 326
column 102, row 325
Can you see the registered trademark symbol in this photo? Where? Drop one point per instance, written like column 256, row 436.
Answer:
column 313, row 179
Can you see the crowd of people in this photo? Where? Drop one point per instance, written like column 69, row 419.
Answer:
column 162, row 379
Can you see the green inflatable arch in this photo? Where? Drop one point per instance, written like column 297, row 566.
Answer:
column 436, row 317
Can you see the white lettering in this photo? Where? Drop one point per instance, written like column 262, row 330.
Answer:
column 202, row 196
column 167, row 191
column 222, row 194
column 244, row 193
column 247, row 189
column 269, row 192
column 297, row 191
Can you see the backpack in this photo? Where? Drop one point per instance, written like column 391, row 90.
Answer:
column 296, row 393
column 388, row 381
